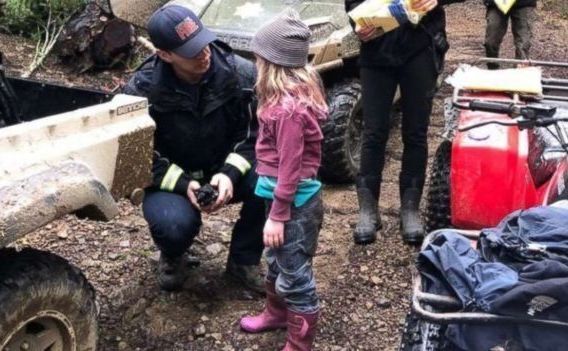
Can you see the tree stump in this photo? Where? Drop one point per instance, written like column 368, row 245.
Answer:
column 95, row 39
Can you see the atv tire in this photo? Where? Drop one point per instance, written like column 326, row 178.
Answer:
column 419, row 335
column 342, row 132
column 45, row 303
column 438, row 211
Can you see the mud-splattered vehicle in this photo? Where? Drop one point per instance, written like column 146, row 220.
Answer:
column 505, row 149
column 333, row 51
column 90, row 150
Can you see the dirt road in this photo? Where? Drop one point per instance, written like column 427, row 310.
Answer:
column 365, row 290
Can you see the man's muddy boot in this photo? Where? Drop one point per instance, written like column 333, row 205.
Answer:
column 369, row 220
column 171, row 274
column 248, row 275
column 411, row 225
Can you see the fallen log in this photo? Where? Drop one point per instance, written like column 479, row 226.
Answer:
column 95, row 39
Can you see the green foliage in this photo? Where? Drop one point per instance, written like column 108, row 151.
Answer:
column 27, row 17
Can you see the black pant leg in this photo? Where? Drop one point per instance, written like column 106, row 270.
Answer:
column 522, row 21
column 173, row 221
column 496, row 29
column 246, row 242
column 418, row 86
column 379, row 87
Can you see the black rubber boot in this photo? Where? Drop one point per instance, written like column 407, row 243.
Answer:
column 248, row 275
column 171, row 275
column 411, row 225
column 369, row 219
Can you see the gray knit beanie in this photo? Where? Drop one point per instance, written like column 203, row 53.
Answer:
column 285, row 41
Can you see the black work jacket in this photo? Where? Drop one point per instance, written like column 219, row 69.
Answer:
column 395, row 47
column 200, row 128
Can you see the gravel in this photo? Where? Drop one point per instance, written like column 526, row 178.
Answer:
column 365, row 291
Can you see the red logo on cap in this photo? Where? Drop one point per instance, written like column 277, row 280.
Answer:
column 186, row 28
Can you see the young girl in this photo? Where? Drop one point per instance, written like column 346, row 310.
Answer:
column 288, row 151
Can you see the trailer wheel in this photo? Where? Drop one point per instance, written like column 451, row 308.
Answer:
column 438, row 211
column 420, row 335
column 45, row 303
column 342, row 132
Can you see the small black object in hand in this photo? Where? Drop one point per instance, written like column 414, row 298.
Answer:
column 206, row 195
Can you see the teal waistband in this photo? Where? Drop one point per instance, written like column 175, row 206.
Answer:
column 306, row 189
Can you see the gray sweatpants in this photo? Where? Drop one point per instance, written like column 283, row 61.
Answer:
column 522, row 20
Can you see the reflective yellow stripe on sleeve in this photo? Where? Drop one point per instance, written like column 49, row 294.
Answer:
column 239, row 162
column 170, row 179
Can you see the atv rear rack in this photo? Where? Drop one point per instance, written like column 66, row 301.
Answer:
column 523, row 62
column 554, row 89
column 443, row 309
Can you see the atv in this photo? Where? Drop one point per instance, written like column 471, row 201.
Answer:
column 502, row 151
column 334, row 50
column 63, row 150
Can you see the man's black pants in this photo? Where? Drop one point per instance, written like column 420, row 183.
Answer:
column 417, row 81
column 174, row 222
column 522, row 21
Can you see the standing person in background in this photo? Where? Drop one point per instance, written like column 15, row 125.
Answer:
column 522, row 16
column 200, row 96
column 291, row 106
column 410, row 56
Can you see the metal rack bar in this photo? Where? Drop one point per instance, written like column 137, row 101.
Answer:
column 524, row 62
column 447, row 302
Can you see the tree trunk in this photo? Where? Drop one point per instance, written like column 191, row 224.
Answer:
column 95, row 39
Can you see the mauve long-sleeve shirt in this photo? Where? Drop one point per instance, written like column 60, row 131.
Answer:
column 288, row 148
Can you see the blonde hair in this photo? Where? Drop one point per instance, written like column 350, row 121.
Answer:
column 291, row 87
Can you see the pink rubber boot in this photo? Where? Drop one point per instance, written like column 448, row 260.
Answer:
column 301, row 331
column 273, row 316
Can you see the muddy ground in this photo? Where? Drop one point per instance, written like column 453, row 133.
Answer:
column 364, row 290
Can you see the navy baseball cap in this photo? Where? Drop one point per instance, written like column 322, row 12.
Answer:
column 176, row 28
